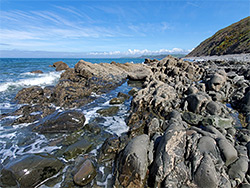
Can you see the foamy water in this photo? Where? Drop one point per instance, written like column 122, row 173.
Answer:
column 18, row 139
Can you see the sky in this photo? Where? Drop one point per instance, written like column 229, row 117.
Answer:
column 100, row 28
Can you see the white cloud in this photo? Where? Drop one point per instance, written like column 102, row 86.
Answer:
column 136, row 52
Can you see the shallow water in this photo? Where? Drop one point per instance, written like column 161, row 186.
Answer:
column 17, row 140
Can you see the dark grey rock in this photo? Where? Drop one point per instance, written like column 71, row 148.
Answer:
column 133, row 162
column 228, row 151
column 213, row 108
column 206, row 176
column 192, row 118
column 238, row 169
column 197, row 102
column 207, row 144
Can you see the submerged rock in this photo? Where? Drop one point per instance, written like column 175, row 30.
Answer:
column 79, row 147
column 61, row 122
column 30, row 170
column 37, row 72
column 110, row 111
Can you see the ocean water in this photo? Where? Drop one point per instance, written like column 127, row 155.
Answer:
column 17, row 140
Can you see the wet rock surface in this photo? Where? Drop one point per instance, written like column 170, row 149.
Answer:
column 29, row 170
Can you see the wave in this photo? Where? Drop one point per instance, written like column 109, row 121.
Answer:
column 39, row 79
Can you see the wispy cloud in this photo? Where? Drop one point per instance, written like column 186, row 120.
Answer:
column 20, row 26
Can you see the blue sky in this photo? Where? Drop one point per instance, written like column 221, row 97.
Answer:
column 111, row 28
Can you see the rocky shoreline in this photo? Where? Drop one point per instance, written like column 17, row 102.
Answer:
column 189, row 126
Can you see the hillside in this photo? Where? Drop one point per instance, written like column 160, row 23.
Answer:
column 234, row 39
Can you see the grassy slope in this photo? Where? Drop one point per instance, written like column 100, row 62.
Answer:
column 233, row 39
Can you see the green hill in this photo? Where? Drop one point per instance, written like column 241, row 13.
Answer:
column 234, row 39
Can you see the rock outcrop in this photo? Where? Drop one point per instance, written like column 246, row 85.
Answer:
column 183, row 107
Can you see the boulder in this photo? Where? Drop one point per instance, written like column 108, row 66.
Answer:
column 206, row 176
column 216, row 82
column 197, row 102
column 109, row 149
column 59, row 65
column 218, row 121
column 123, row 95
column 229, row 153
column 85, row 174
column 61, row 122
column 133, row 163
column 110, row 111
column 192, row 118
column 30, row 170
column 117, row 100
column 238, row 169
column 207, row 144
column 246, row 103
column 213, row 108
column 139, row 74
column 168, row 167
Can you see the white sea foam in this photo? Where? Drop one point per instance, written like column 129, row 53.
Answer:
column 40, row 80
column 116, row 125
column 105, row 183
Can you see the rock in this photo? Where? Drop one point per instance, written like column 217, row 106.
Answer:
column 191, row 90
column 206, row 176
column 37, row 72
column 133, row 163
column 207, row 144
column 60, row 66
column 229, row 153
column 213, row 108
column 168, row 166
column 110, row 111
column 216, row 82
column 197, row 102
column 218, row 122
column 238, row 169
column 153, row 126
column 246, row 103
column 123, row 95
column 30, row 170
column 61, row 122
column 109, row 149
column 140, row 74
column 32, row 95
column 119, row 100
column 86, row 173
column 80, row 147
column 133, row 91
column 192, row 118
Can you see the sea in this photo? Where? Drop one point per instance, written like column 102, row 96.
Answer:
column 15, row 74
